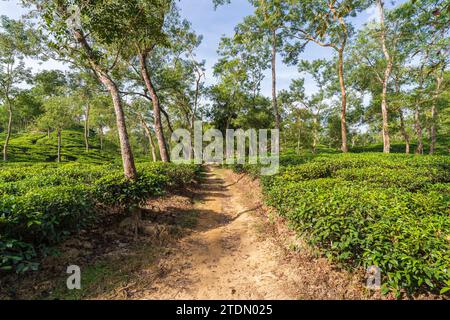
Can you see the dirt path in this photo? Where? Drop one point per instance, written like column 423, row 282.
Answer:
column 228, row 256
column 223, row 245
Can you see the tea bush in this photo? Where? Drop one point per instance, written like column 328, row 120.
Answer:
column 43, row 215
column 411, row 178
column 115, row 190
column 43, row 203
column 38, row 148
column 177, row 176
column 360, row 210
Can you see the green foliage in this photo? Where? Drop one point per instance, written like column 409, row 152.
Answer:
column 410, row 178
column 360, row 210
column 59, row 113
column 115, row 190
column 177, row 176
column 42, row 215
column 40, row 204
column 37, row 147
column 16, row 255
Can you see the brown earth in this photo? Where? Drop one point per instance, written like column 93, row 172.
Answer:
column 215, row 240
column 238, row 252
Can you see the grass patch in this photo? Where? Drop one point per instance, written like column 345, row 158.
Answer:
column 111, row 277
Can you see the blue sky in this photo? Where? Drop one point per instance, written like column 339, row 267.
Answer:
column 212, row 24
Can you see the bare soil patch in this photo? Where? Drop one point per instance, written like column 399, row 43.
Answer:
column 240, row 250
column 215, row 241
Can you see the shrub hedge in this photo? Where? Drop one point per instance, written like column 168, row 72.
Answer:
column 360, row 210
column 41, row 204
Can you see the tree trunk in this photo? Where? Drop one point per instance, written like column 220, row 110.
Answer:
column 402, row 120
column 86, row 127
column 403, row 130
column 315, row 134
column 344, row 146
column 149, row 137
column 59, row 145
column 166, row 115
column 384, row 113
column 152, row 147
column 419, row 149
column 129, row 167
column 274, row 80
column 125, row 147
column 101, row 139
column 169, row 126
column 439, row 80
column 127, row 154
column 156, row 108
column 197, row 94
column 417, row 124
column 8, row 131
column 387, row 72
column 433, row 128
column 227, row 124
column 48, row 133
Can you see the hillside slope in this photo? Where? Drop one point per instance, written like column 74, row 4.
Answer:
column 38, row 147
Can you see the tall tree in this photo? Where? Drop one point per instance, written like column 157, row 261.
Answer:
column 147, row 32
column 101, row 116
column 320, row 70
column 439, row 75
column 84, row 86
column 15, row 42
column 326, row 23
column 58, row 114
column 425, row 25
column 265, row 27
column 387, row 73
column 271, row 14
column 138, row 110
column 400, row 100
column 91, row 34
column 49, row 83
column 177, row 77
column 245, row 56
